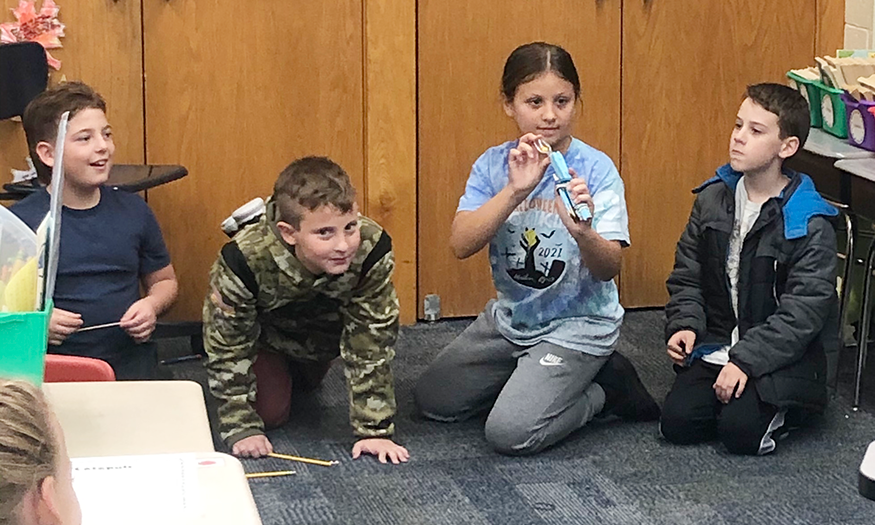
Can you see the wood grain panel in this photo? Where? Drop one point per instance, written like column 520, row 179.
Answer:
column 235, row 92
column 102, row 48
column 462, row 49
column 390, row 135
column 830, row 27
column 13, row 149
column 685, row 68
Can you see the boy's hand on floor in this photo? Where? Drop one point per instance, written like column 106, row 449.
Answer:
column 252, row 447
column 62, row 324
column 140, row 319
column 382, row 448
column 680, row 345
column 730, row 377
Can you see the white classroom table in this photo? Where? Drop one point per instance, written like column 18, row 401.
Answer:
column 225, row 492
column 864, row 168
column 822, row 143
column 120, row 418
column 143, row 418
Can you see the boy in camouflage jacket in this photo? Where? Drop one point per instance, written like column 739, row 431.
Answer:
column 309, row 281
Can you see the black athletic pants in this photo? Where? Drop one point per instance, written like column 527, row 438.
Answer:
column 692, row 413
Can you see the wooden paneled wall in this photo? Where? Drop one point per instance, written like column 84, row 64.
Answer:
column 102, row 47
column 335, row 78
column 677, row 118
column 830, row 27
column 463, row 45
column 390, row 135
column 339, row 77
column 236, row 114
column 342, row 84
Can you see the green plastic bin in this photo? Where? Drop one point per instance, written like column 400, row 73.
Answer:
column 833, row 111
column 811, row 92
column 23, row 340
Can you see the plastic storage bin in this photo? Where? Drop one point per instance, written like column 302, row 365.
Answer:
column 833, row 111
column 18, row 264
column 811, row 92
column 861, row 122
column 24, row 337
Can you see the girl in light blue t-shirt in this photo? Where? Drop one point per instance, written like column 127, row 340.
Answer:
column 541, row 357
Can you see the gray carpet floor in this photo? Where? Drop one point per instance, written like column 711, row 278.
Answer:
column 612, row 472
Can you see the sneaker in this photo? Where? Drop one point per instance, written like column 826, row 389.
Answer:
column 625, row 394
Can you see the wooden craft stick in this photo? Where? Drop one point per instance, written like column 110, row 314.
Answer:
column 270, row 474
column 320, row 462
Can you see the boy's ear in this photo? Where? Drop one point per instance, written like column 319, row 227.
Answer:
column 508, row 108
column 46, row 153
column 789, row 146
column 287, row 231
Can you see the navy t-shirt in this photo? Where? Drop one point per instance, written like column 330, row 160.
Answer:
column 104, row 252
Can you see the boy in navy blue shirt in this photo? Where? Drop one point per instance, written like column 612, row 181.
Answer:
column 111, row 244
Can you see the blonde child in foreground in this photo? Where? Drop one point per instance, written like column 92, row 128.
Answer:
column 36, row 476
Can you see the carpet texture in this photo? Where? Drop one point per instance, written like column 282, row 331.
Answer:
column 612, row 472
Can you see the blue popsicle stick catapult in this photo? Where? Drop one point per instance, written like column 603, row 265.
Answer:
column 561, row 176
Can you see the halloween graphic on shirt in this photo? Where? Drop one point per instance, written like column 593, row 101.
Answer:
column 540, row 266
column 545, row 292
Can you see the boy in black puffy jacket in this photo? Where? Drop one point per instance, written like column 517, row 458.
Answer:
column 753, row 314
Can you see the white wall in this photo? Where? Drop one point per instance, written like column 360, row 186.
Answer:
column 859, row 24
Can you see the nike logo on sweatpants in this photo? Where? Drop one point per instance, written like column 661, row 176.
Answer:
column 551, row 360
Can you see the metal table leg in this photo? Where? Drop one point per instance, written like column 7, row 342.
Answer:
column 844, row 292
column 865, row 318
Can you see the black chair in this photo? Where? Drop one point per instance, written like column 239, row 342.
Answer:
column 24, row 74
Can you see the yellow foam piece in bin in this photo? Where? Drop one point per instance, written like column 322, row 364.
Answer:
column 20, row 292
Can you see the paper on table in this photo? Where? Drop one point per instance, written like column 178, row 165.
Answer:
column 137, row 489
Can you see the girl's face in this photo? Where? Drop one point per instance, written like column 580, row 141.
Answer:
column 546, row 106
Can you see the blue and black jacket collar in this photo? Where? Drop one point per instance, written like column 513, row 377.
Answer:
column 800, row 200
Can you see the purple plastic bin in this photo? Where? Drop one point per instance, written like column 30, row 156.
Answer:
column 861, row 122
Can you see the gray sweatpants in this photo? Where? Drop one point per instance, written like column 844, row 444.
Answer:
column 537, row 394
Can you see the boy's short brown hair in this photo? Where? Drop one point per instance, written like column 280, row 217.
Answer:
column 309, row 183
column 788, row 104
column 42, row 114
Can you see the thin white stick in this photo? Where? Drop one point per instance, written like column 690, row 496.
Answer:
column 98, row 326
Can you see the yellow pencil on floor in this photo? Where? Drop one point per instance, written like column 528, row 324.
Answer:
column 320, row 462
column 270, row 474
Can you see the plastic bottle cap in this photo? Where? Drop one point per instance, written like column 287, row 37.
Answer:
column 229, row 225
